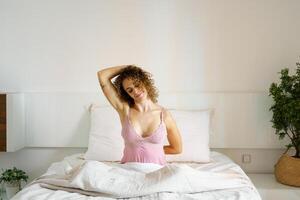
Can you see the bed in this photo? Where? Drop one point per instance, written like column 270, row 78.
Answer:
column 196, row 173
column 242, row 187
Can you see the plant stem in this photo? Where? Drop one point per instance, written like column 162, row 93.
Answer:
column 293, row 142
column 292, row 131
column 297, row 155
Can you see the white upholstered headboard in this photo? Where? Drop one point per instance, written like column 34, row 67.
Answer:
column 240, row 120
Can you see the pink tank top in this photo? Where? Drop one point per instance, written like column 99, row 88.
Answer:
column 144, row 149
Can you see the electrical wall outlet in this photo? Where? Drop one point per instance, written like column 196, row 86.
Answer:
column 246, row 158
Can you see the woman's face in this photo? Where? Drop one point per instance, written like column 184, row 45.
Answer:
column 135, row 89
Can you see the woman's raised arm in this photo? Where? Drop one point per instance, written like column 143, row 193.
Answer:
column 109, row 90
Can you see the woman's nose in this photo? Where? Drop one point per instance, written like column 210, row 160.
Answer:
column 136, row 91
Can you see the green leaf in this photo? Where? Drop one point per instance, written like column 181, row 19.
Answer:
column 286, row 106
column 11, row 175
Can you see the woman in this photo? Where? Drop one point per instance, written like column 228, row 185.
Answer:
column 144, row 122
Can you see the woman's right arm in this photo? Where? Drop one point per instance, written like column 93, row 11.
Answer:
column 109, row 90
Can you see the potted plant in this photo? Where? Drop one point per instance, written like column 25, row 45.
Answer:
column 286, row 121
column 12, row 179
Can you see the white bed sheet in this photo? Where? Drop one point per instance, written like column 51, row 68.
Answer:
column 219, row 163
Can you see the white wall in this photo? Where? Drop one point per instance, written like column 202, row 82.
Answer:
column 235, row 46
column 191, row 45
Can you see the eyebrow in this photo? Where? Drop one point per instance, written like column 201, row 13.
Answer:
column 135, row 82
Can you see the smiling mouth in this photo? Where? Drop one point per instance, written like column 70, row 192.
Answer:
column 139, row 95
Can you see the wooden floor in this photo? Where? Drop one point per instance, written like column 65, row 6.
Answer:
column 270, row 189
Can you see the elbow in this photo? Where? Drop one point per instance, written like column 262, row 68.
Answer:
column 101, row 76
column 178, row 150
column 100, row 73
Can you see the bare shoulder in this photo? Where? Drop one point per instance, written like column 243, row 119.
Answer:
column 170, row 123
column 167, row 116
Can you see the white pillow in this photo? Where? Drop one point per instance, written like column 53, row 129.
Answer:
column 106, row 142
column 194, row 128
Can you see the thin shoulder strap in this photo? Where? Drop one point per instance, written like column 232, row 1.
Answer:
column 127, row 112
column 162, row 114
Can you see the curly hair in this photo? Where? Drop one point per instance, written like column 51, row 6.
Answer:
column 140, row 76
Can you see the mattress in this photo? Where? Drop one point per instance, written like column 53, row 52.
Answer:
column 220, row 164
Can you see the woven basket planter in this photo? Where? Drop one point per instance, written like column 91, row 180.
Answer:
column 287, row 170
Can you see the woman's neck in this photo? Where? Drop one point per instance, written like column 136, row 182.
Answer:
column 144, row 106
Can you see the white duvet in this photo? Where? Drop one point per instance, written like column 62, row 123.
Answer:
column 74, row 178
